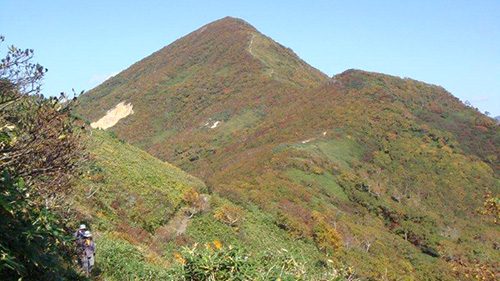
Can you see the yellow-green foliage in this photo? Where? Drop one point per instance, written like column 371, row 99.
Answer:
column 214, row 261
column 491, row 207
column 125, row 184
column 118, row 259
column 229, row 214
column 325, row 236
column 257, row 233
column 125, row 195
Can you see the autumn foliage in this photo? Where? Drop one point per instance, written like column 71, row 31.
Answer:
column 376, row 155
column 229, row 214
column 40, row 153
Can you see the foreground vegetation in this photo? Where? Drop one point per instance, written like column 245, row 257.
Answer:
column 40, row 152
column 211, row 261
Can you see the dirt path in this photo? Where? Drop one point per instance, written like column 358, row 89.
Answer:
column 181, row 219
column 250, row 46
column 250, row 50
column 181, row 228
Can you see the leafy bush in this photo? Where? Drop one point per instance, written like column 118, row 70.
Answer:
column 195, row 201
column 229, row 214
column 32, row 240
column 326, row 237
column 292, row 225
column 491, row 207
column 217, row 262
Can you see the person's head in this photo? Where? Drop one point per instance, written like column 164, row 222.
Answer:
column 87, row 235
column 82, row 227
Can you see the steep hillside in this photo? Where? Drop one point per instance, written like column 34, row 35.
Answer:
column 127, row 185
column 125, row 195
column 386, row 174
column 224, row 70
column 143, row 211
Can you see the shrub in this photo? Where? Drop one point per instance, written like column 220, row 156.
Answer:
column 491, row 207
column 292, row 225
column 217, row 262
column 325, row 236
column 229, row 214
column 32, row 240
column 191, row 197
column 197, row 202
column 40, row 153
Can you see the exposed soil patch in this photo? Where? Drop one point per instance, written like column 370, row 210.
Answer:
column 113, row 115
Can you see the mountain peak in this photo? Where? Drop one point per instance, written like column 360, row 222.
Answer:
column 228, row 23
column 231, row 21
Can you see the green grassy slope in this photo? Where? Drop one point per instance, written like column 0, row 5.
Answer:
column 127, row 185
column 134, row 203
column 125, row 196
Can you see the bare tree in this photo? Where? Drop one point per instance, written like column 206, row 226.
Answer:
column 40, row 141
column 368, row 242
column 17, row 68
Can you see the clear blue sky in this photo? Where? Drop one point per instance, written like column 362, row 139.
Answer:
column 455, row 44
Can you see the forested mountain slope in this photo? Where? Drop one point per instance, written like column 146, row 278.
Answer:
column 386, row 174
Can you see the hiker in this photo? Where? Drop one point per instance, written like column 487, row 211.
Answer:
column 87, row 254
column 81, row 230
column 79, row 235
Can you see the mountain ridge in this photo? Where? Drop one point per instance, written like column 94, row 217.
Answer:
column 377, row 156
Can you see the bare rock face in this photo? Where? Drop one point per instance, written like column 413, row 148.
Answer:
column 113, row 115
